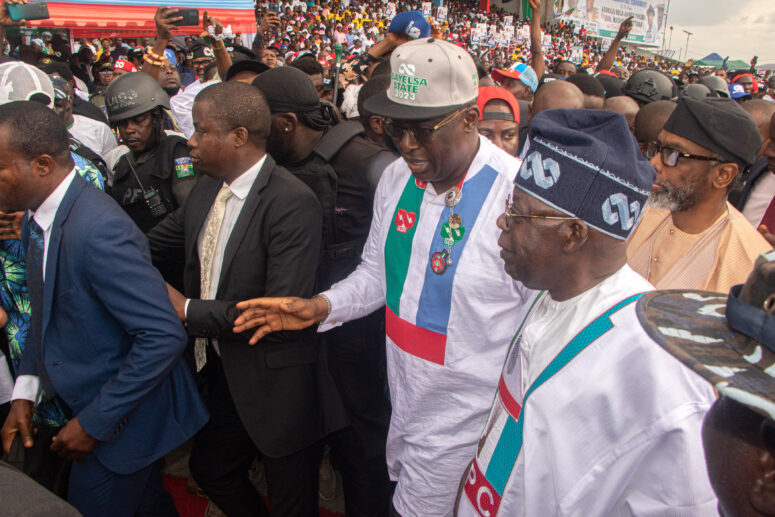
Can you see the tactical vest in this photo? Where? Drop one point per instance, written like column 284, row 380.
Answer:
column 340, row 257
column 156, row 169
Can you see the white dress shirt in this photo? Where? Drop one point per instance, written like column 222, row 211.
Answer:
column 95, row 135
column 240, row 188
column 27, row 387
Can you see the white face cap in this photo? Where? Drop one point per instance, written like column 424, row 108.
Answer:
column 429, row 77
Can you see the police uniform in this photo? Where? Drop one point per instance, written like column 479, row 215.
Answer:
column 167, row 168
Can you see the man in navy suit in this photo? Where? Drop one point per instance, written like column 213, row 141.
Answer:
column 105, row 339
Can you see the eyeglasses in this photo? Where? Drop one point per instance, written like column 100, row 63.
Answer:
column 509, row 212
column 422, row 135
column 669, row 156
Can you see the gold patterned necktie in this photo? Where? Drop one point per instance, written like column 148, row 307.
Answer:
column 209, row 243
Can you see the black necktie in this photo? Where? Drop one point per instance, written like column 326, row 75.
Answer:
column 35, row 287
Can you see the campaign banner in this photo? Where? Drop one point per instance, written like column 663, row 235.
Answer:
column 441, row 14
column 602, row 18
column 508, row 20
column 390, row 10
column 577, row 54
column 426, row 9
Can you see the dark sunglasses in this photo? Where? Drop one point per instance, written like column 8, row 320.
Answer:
column 422, row 135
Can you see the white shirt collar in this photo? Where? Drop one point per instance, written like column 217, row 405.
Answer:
column 47, row 210
column 240, row 187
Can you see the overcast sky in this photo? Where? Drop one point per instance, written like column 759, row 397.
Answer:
column 736, row 28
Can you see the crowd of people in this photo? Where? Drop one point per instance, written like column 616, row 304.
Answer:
column 522, row 279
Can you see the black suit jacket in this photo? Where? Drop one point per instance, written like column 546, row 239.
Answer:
column 756, row 171
column 281, row 387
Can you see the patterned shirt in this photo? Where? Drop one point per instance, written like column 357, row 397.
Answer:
column 15, row 300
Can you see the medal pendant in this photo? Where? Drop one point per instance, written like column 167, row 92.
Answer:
column 439, row 261
column 452, row 197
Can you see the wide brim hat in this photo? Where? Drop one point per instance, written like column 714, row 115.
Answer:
column 693, row 326
column 429, row 78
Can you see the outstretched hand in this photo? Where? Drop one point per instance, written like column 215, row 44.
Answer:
column 274, row 314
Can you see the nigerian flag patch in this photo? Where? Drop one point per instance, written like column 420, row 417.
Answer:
column 183, row 167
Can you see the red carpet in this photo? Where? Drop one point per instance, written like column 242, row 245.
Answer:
column 191, row 505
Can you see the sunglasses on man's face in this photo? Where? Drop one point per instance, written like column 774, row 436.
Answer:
column 421, row 134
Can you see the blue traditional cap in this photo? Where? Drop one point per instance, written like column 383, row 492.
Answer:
column 587, row 164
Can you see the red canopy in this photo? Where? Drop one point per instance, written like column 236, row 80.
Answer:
column 89, row 20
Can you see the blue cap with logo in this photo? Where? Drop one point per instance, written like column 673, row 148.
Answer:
column 587, row 164
column 411, row 23
column 170, row 55
column 736, row 91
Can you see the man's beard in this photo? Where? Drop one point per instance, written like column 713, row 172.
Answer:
column 171, row 90
column 674, row 199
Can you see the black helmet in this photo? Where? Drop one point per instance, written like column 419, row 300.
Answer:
column 718, row 87
column 696, row 91
column 650, row 86
column 133, row 94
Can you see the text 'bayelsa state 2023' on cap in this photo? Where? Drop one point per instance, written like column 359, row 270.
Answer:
column 429, row 78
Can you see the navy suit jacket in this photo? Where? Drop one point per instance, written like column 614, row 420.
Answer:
column 112, row 342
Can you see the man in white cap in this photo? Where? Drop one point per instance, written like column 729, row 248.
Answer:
column 432, row 258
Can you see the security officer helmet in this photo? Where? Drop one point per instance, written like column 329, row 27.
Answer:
column 696, row 91
column 133, row 94
column 650, row 86
column 717, row 86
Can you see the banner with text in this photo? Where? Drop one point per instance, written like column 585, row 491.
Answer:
column 603, row 17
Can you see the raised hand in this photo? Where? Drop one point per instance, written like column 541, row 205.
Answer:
column 5, row 18
column 624, row 28
column 208, row 21
column 165, row 19
column 275, row 314
column 269, row 22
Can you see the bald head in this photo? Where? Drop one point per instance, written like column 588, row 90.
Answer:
column 762, row 112
column 556, row 95
column 651, row 119
column 623, row 105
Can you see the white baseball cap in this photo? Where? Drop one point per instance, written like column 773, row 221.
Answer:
column 22, row 82
column 429, row 78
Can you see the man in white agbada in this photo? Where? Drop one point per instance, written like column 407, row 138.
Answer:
column 432, row 259
column 591, row 417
